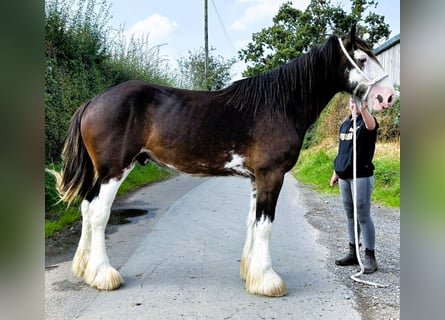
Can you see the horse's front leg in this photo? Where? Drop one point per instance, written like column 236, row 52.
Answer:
column 261, row 278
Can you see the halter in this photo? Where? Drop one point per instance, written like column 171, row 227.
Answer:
column 370, row 83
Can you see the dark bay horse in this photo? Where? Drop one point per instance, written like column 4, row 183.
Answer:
column 253, row 128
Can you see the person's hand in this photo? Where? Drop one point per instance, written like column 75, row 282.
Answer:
column 334, row 179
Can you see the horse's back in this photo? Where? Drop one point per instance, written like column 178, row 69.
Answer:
column 172, row 126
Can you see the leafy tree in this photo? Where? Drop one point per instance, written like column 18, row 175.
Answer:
column 192, row 70
column 295, row 32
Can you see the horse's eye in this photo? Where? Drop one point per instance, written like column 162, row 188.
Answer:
column 362, row 60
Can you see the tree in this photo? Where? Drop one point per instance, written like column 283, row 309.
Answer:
column 192, row 70
column 295, row 32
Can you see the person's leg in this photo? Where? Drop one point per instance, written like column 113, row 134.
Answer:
column 346, row 193
column 364, row 191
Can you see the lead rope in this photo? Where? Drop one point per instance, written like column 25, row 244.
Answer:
column 354, row 165
column 369, row 84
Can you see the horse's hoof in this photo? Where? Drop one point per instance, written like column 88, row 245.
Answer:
column 106, row 278
column 266, row 284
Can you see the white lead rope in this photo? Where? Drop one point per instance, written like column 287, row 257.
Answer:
column 354, row 192
column 369, row 85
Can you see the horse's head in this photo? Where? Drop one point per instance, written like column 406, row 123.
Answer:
column 367, row 81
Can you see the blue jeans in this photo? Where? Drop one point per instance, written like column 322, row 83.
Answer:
column 365, row 223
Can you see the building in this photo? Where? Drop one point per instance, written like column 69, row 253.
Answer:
column 389, row 56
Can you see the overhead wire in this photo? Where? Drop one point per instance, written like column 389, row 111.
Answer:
column 223, row 27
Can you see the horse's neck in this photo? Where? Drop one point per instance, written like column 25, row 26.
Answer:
column 311, row 91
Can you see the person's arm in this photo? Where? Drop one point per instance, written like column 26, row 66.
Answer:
column 368, row 118
column 334, row 179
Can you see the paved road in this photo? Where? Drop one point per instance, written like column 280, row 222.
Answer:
column 183, row 262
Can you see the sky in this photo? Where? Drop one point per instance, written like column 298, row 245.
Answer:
column 179, row 25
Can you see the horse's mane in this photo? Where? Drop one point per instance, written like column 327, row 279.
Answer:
column 287, row 85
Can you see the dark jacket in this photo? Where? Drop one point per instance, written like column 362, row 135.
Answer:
column 365, row 149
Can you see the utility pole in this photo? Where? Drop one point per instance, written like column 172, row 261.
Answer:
column 206, row 44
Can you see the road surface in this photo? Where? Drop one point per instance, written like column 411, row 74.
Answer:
column 182, row 260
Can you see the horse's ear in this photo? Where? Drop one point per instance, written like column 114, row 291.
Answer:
column 349, row 38
column 353, row 33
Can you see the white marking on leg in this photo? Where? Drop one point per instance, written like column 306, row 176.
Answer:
column 246, row 256
column 261, row 278
column 99, row 273
column 81, row 257
column 237, row 164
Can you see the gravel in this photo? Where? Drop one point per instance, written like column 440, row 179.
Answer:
column 327, row 215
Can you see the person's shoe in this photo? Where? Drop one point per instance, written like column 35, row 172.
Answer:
column 369, row 264
column 349, row 259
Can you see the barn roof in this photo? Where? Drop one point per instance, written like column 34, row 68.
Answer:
column 387, row 44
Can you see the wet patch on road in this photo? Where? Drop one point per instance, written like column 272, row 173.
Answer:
column 62, row 244
column 129, row 215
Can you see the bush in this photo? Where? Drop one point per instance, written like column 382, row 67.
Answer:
column 81, row 62
column 75, row 58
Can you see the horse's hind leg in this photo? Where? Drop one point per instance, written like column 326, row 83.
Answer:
column 98, row 271
column 80, row 259
column 246, row 256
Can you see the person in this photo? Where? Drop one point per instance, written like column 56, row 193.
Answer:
column 367, row 126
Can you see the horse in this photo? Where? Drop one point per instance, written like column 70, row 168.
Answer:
column 253, row 128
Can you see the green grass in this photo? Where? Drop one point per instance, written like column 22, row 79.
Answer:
column 141, row 175
column 58, row 216
column 387, row 182
column 67, row 217
column 316, row 167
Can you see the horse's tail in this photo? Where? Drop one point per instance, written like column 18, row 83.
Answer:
column 78, row 176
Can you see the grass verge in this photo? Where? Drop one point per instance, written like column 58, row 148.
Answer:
column 315, row 167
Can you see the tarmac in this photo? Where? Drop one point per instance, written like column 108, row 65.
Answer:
column 181, row 261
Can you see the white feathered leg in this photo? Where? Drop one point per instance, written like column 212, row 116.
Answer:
column 98, row 271
column 246, row 256
column 81, row 257
column 261, row 278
